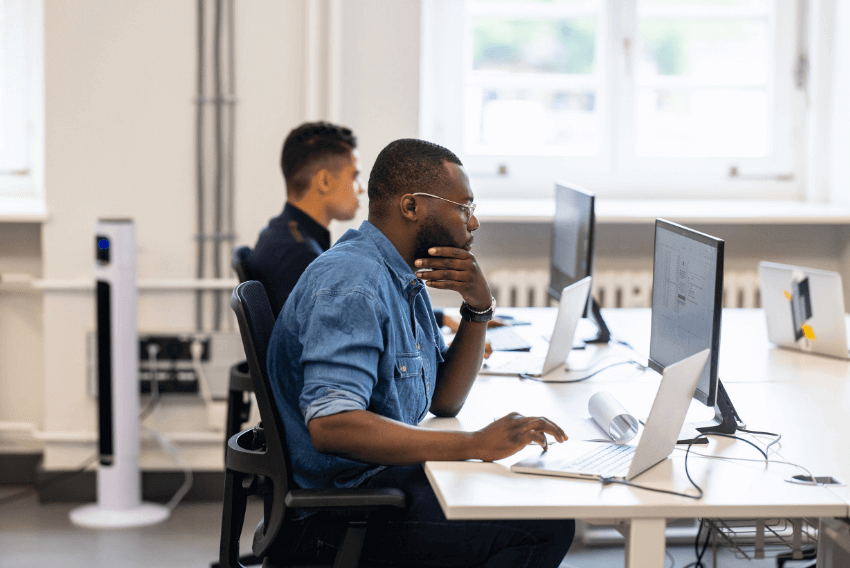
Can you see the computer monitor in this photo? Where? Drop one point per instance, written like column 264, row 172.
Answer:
column 571, row 259
column 687, row 304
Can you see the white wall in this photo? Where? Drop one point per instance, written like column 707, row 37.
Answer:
column 120, row 80
column 21, row 330
column 120, row 83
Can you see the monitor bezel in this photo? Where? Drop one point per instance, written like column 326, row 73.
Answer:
column 709, row 398
column 591, row 239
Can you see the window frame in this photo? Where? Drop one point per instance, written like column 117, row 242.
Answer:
column 616, row 171
column 22, row 97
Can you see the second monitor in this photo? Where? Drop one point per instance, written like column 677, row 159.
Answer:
column 687, row 294
column 573, row 233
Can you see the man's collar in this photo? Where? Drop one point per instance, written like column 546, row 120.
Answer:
column 404, row 276
column 315, row 229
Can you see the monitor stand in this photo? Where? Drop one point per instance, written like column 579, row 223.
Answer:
column 726, row 420
column 595, row 315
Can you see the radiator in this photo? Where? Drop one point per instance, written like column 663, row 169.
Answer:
column 612, row 288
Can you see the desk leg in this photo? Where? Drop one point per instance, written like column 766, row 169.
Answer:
column 645, row 542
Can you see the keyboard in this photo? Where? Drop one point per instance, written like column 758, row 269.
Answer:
column 506, row 339
column 609, row 460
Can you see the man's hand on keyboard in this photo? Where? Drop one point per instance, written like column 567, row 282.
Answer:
column 507, row 435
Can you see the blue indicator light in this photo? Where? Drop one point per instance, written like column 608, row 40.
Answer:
column 103, row 244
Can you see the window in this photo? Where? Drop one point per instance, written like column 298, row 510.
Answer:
column 662, row 98
column 21, row 108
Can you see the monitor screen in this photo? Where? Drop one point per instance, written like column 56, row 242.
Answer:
column 572, row 237
column 687, row 288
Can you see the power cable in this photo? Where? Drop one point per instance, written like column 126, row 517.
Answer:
column 641, row 366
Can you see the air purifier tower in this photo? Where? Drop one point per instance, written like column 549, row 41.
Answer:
column 119, row 501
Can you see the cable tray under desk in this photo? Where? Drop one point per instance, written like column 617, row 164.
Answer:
column 764, row 538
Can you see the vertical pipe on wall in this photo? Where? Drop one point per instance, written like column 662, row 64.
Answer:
column 219, row 160
column 200, row 237
column 231, row 129
column 312, row 48
column 335, row 61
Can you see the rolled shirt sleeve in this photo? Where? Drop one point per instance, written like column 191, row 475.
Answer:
column 340, row 356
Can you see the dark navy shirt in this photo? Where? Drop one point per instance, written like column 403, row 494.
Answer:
column 284, row 249
column 358, row 333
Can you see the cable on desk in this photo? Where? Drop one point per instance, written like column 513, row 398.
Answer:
column 625, row 343
column 586, row 377
column 762, row 452
column 610, row 480
column 757, row 432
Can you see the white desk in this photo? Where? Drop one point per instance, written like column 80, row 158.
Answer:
column 803, row 397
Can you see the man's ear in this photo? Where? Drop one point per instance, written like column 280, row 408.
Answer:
column 410, row 209
column 323, row 181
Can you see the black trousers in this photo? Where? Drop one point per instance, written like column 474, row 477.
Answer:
column 422, row 536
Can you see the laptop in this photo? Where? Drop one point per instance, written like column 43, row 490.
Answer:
column 593, row 460
column 570, row 309
column 804, row 309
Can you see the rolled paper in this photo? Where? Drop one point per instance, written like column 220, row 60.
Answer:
column 610, row 415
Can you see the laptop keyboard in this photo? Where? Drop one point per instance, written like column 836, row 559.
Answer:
column 609, row 460
column 506, row 339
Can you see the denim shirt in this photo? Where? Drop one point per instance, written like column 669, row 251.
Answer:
column 357, row 333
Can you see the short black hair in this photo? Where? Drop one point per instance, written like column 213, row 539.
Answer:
column 308, row 144
column 407, row 166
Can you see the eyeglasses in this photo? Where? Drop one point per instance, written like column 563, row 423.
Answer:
column 468, row 210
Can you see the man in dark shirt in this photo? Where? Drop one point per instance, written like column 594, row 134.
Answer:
column 319, row 163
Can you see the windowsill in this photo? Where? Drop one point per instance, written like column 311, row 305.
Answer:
column 22, row 210
column 733, row 212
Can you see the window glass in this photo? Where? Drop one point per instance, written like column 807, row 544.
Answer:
column 537, row 2
column 703, row 80
column 607, row 92
column 529, row 120
column 760, row 5
column 534, row 46
column 702, row 122
column 727, row 51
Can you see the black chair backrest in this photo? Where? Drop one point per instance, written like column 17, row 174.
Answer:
column 254, row 314
column 237, row 262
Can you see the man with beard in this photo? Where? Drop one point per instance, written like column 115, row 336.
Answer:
column 356, row 361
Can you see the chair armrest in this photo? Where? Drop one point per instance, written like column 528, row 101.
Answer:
column 240, row 378
column 354, row 499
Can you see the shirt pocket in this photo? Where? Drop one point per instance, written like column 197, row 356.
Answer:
column 410, row 386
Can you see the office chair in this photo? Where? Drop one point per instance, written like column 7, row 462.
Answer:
column 237, row 262
column 257, row 460
column 241, row 384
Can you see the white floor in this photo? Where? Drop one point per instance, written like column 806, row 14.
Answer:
column 33, row 535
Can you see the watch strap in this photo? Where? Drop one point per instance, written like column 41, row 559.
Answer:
column 468, row 314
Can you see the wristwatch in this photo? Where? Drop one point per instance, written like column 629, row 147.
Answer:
column 468, row 314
